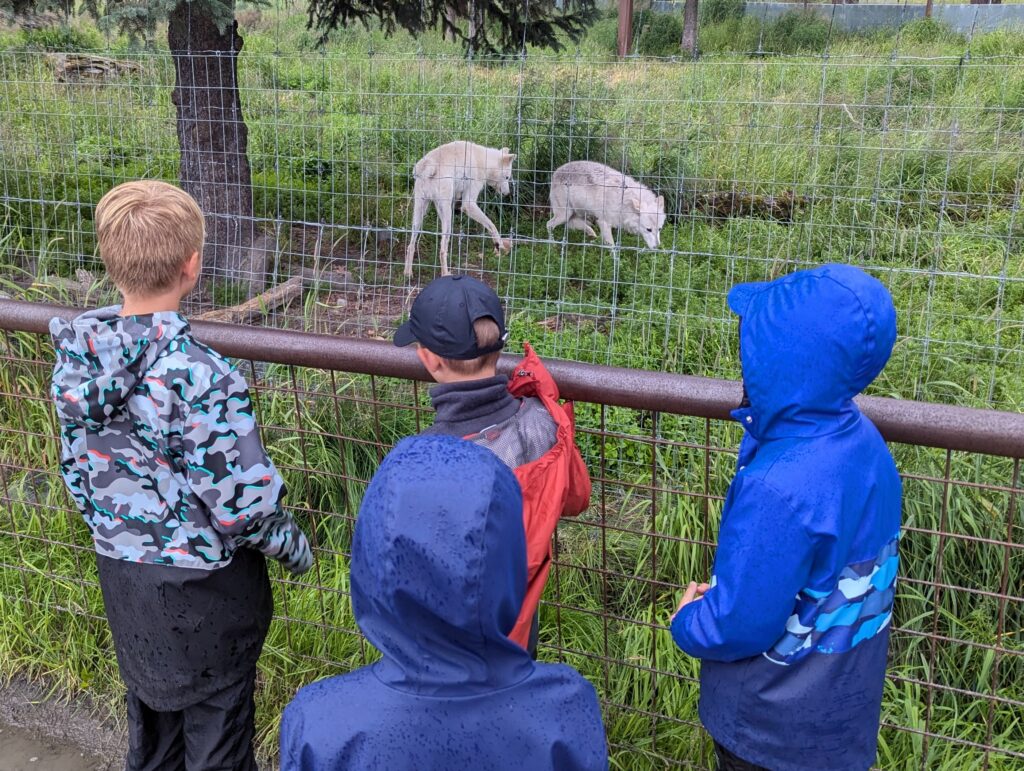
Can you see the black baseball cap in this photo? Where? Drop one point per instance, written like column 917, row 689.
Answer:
column 443, row 314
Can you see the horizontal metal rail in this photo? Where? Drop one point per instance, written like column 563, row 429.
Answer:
column 921, row 423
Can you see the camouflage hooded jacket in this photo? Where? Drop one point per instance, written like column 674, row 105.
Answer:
column 160, row 448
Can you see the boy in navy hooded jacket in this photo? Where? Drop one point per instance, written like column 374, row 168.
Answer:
column 793, row 628
column 438, row 578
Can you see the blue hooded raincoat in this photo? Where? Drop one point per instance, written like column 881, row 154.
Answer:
column 438, row 576
column 794, row 629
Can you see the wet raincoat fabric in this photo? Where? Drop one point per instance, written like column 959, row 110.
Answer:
column 523, row 422
column 793, row 632
column 160, row 448
column 438, row 578
column 161, row 453
column 554, row 484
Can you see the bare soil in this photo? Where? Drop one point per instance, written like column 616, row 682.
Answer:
column 39, row 732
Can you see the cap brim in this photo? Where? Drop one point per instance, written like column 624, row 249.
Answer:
column 404, row 335
column 740, row 296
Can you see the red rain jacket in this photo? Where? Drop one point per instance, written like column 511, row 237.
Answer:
column 555, row 485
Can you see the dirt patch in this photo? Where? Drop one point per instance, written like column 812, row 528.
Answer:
column 62, row 735
column 23, row 751
column 40, row 731
column 369, row 311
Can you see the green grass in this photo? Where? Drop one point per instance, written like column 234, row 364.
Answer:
column 868, row 138
column 601, row 593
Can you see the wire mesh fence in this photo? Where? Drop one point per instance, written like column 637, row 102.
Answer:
column 955, row 692
column 909, row 165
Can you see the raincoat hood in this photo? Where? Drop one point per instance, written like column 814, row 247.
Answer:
column 439, row 569
column 101, row 357
column 809, row 343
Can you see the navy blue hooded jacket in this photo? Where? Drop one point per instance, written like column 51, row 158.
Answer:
column 794, row 629
column 438, row 577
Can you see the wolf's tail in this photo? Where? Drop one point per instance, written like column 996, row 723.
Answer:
column 425, row 168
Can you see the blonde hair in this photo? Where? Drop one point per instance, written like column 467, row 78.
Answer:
column 487, row 334
column 146, row 231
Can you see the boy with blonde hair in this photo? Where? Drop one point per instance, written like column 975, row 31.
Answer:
column 161, row 453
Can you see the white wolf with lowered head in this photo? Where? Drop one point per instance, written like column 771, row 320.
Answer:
column 457, row 172
column 583, row 190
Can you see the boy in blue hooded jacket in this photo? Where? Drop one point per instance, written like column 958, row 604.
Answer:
column 438, row 578
column 792, row 630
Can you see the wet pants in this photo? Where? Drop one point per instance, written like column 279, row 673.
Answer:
column 726, row 761
column 214, row 735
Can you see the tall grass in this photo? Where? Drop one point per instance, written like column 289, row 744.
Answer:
column 612, row 587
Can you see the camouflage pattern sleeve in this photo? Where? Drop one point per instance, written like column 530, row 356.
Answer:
column 228, row 469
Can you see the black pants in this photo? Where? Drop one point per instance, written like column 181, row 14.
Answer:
column 726, row 761
column 214, row 735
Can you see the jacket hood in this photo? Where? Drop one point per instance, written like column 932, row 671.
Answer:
column 809, row 343
column 439, row 569
column 101, row 357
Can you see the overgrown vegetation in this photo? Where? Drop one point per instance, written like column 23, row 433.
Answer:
column 908, row 167
column 53, row 613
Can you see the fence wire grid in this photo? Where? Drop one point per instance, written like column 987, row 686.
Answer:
column 910, row 166
column 955, row 692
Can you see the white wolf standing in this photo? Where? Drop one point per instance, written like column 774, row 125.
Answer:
column 585, row 189
column 454, row 172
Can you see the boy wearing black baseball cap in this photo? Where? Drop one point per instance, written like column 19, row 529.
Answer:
column 458, row 326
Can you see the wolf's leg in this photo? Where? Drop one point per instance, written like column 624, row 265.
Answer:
column 419, row 208
column 559, row 219
column 444, row 216
column 578, row 223
column 561, row 212
column 474, row 212
column 606, row 233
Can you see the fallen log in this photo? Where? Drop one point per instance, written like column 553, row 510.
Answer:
column 76, row 68
column 275, row 297
column 258, row 306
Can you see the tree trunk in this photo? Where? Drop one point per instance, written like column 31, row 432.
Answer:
column 451, row 15
column 689, row 42
column 214, row 140
column 625, row 36
column 476, row 20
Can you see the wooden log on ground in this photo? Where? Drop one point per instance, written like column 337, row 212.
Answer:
column 275, row 297
column 258, row 306
column 76, row 68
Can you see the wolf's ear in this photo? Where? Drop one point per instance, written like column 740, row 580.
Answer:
column 634, row 202
column 506, row 156
column 661, row 203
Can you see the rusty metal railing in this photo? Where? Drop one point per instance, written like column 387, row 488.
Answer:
column 661, row 452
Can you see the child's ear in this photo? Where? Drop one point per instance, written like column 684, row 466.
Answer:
column 192, row 267
column 430, row 360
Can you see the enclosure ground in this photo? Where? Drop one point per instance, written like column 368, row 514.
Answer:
column 22, row 750
column 45, row 731
column 40, row 731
